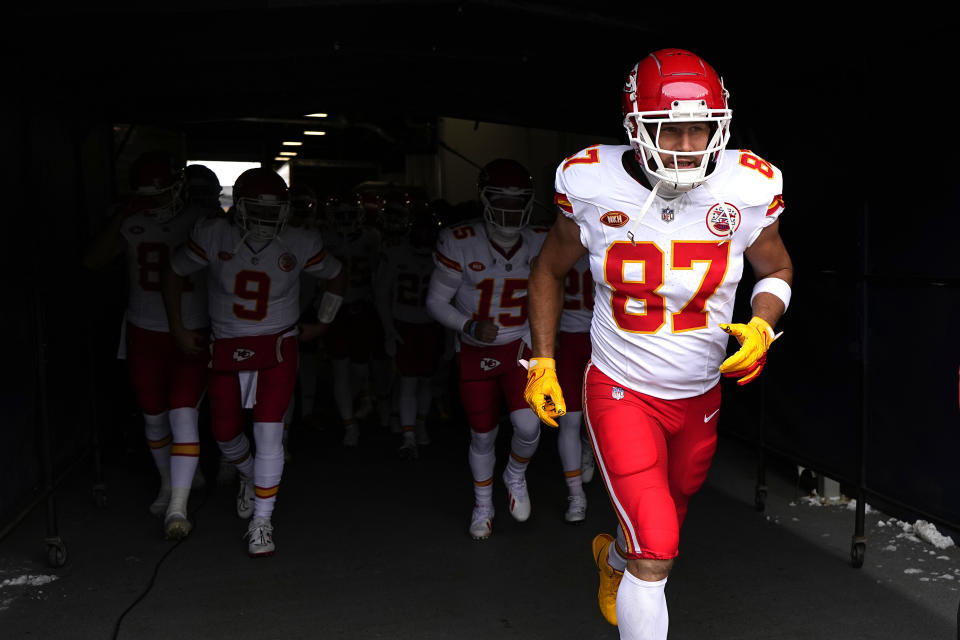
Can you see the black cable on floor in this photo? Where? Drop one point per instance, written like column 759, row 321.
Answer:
column 156, row 569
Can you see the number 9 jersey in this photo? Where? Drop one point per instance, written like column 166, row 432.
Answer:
column 665, row 280
column 253, row 293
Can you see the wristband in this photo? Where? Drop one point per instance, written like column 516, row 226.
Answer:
column 773, row 286
column 472, row 329
column 329, row 305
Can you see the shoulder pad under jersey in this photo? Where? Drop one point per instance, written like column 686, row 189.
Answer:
column 755, row 180
column 583, row 174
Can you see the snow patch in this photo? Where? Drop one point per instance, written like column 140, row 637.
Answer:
column 27, row 580
column 913, row 571
column 927, row 532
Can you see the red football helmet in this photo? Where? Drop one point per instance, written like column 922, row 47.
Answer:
column 344, row 213
column 157, row 182
column 670, row 86
column 303, row 206
column 202, row 185
column 262, row 203
column 505, row 188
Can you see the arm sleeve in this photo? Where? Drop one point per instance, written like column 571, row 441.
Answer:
column 443, row 287
column 321, row 264
column 191, row 256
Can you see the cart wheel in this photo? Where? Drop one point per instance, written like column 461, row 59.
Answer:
column 56, row 554
column 100, row 496
column 760, row 499
column 857, row 551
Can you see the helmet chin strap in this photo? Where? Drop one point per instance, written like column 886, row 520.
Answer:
column 503, row 238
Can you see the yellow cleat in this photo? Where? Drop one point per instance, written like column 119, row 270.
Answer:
column 609, row 578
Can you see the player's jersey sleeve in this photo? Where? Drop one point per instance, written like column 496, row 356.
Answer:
column 448, row 255
column 193, row 255
column 318, row 262
column 759, row 184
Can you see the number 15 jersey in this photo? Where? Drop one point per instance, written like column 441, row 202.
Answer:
column 664, row 282
column 493, row 286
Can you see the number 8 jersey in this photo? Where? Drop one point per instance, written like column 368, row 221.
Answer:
column 664, row 282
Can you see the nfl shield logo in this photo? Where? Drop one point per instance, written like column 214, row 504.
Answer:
column 617, row 393
column 666, row 214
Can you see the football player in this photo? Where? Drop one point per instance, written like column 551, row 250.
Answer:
column 168, row 383
column 253, row 264
column 666, row 223
column 350, row 341
column 573, row 353
column 202, row 187
column 410, row 334
column 479, row 289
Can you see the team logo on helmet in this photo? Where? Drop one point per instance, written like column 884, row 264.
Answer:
column 723, row 219
column 489, row 364
column 239, row 355
column 614, row 218
column 286, row 262
column 667, row 214
column 477, row 266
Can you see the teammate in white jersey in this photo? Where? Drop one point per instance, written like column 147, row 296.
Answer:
column 253, row 263
column 168, row 384
column 666, row 223
column 355, row 335
column 479, row 289
column 410, row 334
column 573, row 353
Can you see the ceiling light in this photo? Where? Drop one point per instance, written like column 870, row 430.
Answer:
column 281, row 159
column 292, row 143
column 288, row 153
column 316, row 115
column 314, row 133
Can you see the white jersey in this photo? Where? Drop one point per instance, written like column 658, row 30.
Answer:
column 577, row 298
column 360, row 252
column 493, row 286
column 660, row 298
column 253, row 293
column 404, row 274
column 149, row 245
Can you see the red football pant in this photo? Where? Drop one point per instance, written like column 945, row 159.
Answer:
column 274, row 392
column 572, row 355
column 653, row 454
column 164, row 377
column 488, row 374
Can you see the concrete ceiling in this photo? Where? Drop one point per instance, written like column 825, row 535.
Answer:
column 238, row 77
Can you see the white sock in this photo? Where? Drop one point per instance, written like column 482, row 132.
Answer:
column 267, row 466
column 184, row 456
column 568, row 446
column 523, row 444
column 186, row 446
column 642, row 609
column 482, row 457
column 156, row 429
column 237, row 452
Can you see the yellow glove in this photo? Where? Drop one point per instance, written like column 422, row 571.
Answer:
column 755, row 338
column 543, row 390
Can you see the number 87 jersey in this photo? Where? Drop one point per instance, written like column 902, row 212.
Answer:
column 492, row 284
column 665, row 280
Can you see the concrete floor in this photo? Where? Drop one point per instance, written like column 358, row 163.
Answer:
column 372, row 547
